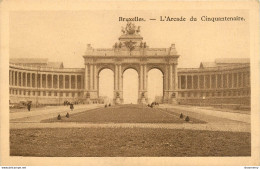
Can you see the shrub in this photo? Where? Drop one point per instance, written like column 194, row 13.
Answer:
column 109, row 105
column 68, row 115
column 105, row 106
column 59, row 117
column 187, row 119
column 181, row 116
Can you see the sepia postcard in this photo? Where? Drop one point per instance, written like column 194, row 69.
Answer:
column 164, row 83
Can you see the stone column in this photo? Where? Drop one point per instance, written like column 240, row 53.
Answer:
column 82, row 83
column 192, row 82
column 120, row 77
column 145, row 78
column 13, row 76
column 247, row 78
column 186, row 82
column 222, row 79
column 52, row 81
column 179, row 82
column 233, row 80
column 116, row 77
column 198, row 81
column 40, row 81
column 216, row 76
column 69, row 81
column 10, row 77
column 46, row 82
column 35, row 80
column 166, row 84
column 204, row 81
column 21, row 78
column 238, row 80
column 242, row 79
column 141, row 78
column 91, row 77
column 227, row 79
column 116, row 84
column 97, row 85
column 58, row 81
column 86, row 77
column 18, row 80
column 175, row 77
column 25, row 79
column 176, row 80
column 64, row 87
column 210, row 81
column 76, row 81
column 170, row 78
column 95, row 77
column 30, row 79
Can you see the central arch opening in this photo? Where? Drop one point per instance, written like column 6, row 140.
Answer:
column 155, row 86
column 130, row 86
column 106, row 86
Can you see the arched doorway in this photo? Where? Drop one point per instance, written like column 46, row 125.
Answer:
column 106, row 86
column 155, row 86
column 130, row 86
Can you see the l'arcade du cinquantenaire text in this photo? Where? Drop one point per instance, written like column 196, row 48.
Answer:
column 183, row 19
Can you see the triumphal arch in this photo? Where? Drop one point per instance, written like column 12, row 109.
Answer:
column 131, row 52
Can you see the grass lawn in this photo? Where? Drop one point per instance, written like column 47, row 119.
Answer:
column 131, row 142
column 125, row 114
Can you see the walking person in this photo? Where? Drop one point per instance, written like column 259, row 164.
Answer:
column 29, row 106
column 71, row 106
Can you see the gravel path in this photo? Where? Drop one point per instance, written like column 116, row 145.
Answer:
column 211, row 127
column 202, row 112
column 49, row 112
column 216, row 120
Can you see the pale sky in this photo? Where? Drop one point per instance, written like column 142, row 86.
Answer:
column 63, row 35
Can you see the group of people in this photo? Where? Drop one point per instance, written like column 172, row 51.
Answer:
column 66, row 103
column 153, row 104
column 70, row 104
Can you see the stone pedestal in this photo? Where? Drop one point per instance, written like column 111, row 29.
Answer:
column 143, row 100
column 174, row 101
column 117, row 100
column 91, row 96
column 88, row 101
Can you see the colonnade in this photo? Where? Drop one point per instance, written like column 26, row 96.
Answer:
column 40, row 80
column 215, row 86
column 35, row 84
column 214, row 80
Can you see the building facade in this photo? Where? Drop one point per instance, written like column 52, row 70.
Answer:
column 42, row 82
column 225, row 81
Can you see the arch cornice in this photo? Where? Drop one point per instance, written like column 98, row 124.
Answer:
column 101, row 67
column 131, row 66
